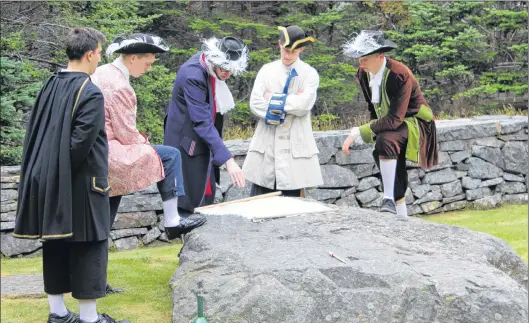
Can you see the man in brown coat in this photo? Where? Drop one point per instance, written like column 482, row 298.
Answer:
column 402, row 125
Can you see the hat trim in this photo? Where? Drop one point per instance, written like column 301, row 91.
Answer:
column 379, row 51
column 285, row 33
column 299, row 41
column 363, row 44
column 219, row 58
column 118, row 46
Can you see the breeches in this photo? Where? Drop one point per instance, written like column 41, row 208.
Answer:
column 392, row 145
column 76, row 267
column 173, row 183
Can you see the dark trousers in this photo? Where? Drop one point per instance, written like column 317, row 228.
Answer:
column 392, row 145
column 173, row 183
column 260, row 190
column 114, row 206
column 76, row 267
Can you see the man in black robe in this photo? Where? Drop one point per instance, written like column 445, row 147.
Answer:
column 65, row 165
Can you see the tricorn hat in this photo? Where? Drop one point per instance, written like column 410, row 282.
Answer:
column 368, row 42
column 137, row 43
column 293, row 37
column 229, row 53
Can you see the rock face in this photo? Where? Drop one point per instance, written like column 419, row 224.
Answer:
column 413, row 271
column 483, row 162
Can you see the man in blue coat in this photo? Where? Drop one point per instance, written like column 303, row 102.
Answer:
column 194, row 119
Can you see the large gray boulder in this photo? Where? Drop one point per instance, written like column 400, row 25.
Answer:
column 396, row 271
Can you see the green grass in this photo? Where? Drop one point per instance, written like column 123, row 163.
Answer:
column 507, row 222
column 144, row 273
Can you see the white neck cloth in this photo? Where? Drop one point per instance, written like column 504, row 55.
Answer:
column 223, row 97
column 375, row 82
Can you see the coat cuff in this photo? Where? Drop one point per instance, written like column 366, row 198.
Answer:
column 366, row 133
column 222, row 156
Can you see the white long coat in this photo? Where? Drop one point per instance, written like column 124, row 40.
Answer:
column 285, row 154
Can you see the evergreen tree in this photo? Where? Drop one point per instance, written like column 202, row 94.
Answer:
column 20, row 85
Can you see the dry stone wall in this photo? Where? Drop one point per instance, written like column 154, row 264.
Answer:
column 483, row 162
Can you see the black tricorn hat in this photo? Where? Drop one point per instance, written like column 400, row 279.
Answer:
column 293, row 37
column 368, row 42
column 137, row 43
column 233, row 47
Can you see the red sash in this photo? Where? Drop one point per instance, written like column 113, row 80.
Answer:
column 212, row 80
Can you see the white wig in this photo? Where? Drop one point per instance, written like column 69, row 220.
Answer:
column 219, row 58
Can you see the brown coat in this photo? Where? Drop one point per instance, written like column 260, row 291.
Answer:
column 405, row 97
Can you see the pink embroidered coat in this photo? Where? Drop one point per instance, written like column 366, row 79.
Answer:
column 133, row 164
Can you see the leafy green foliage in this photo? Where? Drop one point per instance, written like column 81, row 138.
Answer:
column 241, row 114
column 109, row 17
column 20, row 84
column 465, row 54
column 153, row 90
column 12, row 42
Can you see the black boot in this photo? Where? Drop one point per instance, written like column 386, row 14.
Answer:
column 185, row 226
column 104, row 318
column 112, row 290
column 70, row 317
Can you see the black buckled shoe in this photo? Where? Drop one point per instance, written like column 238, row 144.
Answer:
column 70, row 317
column 112, row 290
column 185, row 226
column 388, row 206
column 105, row 318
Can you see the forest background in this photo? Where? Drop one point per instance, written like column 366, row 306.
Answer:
column 470, row 58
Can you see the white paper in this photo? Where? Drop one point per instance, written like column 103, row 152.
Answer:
column 270, row 207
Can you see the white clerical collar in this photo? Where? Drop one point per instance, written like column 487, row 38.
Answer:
column 121, row 66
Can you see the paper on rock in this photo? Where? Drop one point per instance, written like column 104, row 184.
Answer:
column 270, row 207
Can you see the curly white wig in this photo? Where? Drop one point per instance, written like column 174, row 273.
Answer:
column 219, row 58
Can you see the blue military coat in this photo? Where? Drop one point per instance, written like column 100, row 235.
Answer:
column 190, row 127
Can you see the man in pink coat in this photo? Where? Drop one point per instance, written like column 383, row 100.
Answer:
column 133, row 162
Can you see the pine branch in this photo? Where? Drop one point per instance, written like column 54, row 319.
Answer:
column 20, row 57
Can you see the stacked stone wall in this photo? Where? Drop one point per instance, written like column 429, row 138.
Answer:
column 483, row 162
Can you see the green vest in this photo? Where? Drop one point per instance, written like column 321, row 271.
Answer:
column 381, row 109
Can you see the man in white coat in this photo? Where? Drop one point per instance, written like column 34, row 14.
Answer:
column 283, row 155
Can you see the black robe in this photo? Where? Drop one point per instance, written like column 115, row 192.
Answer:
column 63, row 191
